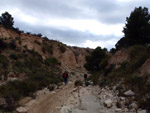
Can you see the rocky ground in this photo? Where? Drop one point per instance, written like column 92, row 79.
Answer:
column 45, row 101
column 83, row 99
column 92, row 99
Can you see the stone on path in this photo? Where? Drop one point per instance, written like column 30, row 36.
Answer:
column 129, row 93
column 22, row 110
column 118, row 110
column 65, row 109
column 2, row 102
column 142, row 111
column 108, row 103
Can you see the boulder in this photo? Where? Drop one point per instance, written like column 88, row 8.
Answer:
column 22, row 110
column 129, row 93
column 119, row 57
column 145, row 68
column 65, row 109
column 122, row 98
column 108, row 103
column 142, row 111
column 134, row 105
column 2, row 102
column 118, row 110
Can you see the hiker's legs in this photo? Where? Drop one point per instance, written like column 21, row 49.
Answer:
column 65, row 81
column 85, row 79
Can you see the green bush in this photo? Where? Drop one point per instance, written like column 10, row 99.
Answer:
column 3, row 45
column 17, row 38
column 87, row 83
column 32, row 63
column 51, row 61
column 37, row 42
column 13, row 56
column 95, row 78
column 12, row 44
column 138, row 55
column 36, row 81
column 25, row 46
column 4, row 61
column 47, row 48
column 94, row 60
column 62, row 48
column 78, row 83
column 51, row 87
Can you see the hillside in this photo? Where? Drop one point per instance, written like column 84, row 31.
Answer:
column 29, row 62
column 46, row 47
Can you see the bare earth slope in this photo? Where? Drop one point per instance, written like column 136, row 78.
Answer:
column 51, row 102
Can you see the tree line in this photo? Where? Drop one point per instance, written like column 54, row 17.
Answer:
column 136, row 32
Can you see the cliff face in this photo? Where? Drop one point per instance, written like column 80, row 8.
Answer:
column 119, row 57
column 145, row 69
column 69, row 56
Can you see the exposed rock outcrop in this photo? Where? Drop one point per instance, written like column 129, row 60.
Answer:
column 145, row 69
column 71, row 57
column 119, row 57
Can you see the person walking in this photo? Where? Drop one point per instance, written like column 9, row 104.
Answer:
column 65, row 77
column 85, row 77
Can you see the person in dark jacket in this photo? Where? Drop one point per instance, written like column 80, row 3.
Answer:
column 65, row 77
column 85, row 77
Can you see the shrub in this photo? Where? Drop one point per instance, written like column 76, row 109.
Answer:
column 20, row 41
column 138, row 55
column 51, row 61
column 51, row 87
column 12, row 44
column 36, row 55
column 37, row 42
column 39, row 35
column 95, row 78
column 78, row 83
column 95, row 59
column 3, row 45
column 4, row 61
column 62, row 48
column 46, row 48
column 13, row 56
column 87, row 83
column 7, row 20
column 25, row 46
column 17, row 38
column 32, row 63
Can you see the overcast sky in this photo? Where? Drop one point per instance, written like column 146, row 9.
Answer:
column 83, row 23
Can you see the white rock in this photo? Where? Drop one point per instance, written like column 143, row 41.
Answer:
column 129, row 93
column 103, row 111
column 122, row 98
column 53, row 92
column 108, row 103
column 134, row 105
column 12, row 79
column 22, row 110
column 142, row 111
column 118, row 110
column 65, row 109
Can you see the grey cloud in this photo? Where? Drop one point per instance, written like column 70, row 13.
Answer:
column 106, row 11
column 112, row 12
column 67, row 36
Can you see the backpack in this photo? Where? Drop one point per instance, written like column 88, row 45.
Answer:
column 65, row 75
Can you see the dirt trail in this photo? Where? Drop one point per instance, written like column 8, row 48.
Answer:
column 47, row 101
column 52, row 102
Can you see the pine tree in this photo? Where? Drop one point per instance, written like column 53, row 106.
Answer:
column 7, row 20
column 137, row 29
